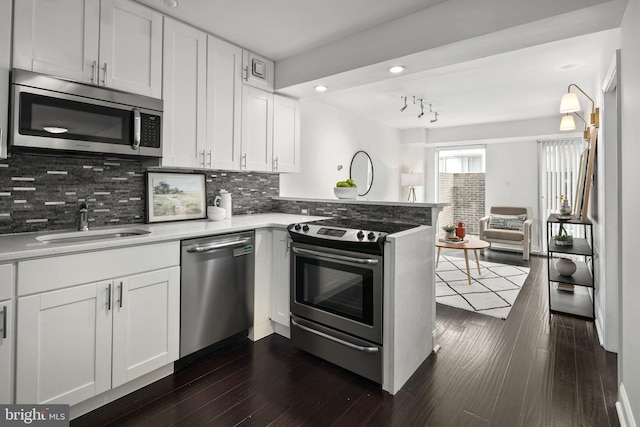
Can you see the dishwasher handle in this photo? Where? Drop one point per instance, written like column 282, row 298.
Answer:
column 196, row 249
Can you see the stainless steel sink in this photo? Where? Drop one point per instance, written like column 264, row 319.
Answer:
column 92, row 235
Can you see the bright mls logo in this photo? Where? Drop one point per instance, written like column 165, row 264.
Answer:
column 36, row 415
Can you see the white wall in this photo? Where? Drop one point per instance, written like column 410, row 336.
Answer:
column 330, row 137
column 629, row 368
column 512, row 179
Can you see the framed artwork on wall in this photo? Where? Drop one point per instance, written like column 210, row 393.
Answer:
column 175, row 196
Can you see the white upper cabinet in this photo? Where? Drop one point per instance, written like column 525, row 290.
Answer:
column 257, row 71
column 58, row 37
column 257, row 129
column 130, row 47
column 5, row 62
column 114, row 43
column 184, row 88
column 286, row 134
column 224, row 63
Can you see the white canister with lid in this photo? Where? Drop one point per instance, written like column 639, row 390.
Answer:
column 224, row 201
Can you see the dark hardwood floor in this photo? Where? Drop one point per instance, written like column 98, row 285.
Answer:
column 531, row 369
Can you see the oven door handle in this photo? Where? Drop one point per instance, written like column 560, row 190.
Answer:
column 338, row 340
column 368, row 261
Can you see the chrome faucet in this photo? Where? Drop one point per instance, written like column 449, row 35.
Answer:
column 83, row 219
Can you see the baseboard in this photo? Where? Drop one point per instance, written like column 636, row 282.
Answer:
column 625, row 416
column 261, row 330
column 282, row 330
column 600, row 327
column 116, row 393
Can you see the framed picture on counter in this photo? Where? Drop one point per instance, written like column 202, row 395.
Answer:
column 175, row 196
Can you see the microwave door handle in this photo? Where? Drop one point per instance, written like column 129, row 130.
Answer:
column 136, row 129
column 368, row 261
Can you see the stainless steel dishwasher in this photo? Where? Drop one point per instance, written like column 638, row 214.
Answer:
column 216, row 297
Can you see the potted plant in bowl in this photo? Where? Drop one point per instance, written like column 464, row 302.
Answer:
column 563, row 240
column 448, row 231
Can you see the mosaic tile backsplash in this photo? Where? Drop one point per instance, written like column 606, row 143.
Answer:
column 386, row 213
column 40, row 192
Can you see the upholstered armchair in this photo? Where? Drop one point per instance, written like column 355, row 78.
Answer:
column 508, row 226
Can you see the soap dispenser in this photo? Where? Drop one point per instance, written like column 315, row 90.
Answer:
column 224, row 201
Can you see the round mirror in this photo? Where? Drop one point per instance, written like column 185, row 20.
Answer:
column 361, row 172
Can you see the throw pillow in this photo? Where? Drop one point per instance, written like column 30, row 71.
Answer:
column 507, row 222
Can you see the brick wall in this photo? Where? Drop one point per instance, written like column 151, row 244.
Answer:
column 466, row 194
column 40, row 192
column 446, row 181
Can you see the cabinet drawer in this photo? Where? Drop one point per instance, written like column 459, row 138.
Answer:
column 46, row 274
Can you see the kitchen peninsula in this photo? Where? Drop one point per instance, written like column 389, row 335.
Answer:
column 407, row 212
column 89, row 266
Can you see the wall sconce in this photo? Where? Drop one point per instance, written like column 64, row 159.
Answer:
column 570, row 104
column 568, row 123
column 412, row 180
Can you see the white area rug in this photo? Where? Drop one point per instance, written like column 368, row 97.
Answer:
column 492, row 293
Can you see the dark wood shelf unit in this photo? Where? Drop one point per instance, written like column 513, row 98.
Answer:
column 580, row 301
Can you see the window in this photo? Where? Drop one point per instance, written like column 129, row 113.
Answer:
column 462, row 161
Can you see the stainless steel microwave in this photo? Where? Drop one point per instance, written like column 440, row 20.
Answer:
column 56, row 114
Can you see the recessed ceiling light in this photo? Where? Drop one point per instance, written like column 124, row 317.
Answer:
column 321, row 88
column 171, row 3
column 396, row 69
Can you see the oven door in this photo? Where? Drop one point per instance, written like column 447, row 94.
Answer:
column 338, row 289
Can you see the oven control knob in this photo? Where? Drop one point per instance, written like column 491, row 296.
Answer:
column 297, row 227
column 305, row 228
column 360, row 235
column 371, row 235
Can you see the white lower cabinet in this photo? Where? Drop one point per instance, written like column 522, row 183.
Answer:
column 7, row 335
column 81, row 333
column 146, row 323
column 64, row 345
column 6, row 350
column 78, row 342
column 280, row 274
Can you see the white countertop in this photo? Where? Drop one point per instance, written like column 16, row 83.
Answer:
column 19, row 246
column 366, row 202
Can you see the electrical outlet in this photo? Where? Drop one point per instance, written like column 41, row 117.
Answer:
column 304, row 211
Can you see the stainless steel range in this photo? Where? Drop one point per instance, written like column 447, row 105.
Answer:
column 337, row 289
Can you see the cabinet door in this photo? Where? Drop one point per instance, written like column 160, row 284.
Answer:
column 280, row 286
column 257, row 71
column 6, row 349
column 224, row 62
column 146, row 323
column 130, row 47
column 286, row 134
column 57, row 37
column 185, row 62
column 257, row 129
column 64, row 345
column 5, row 62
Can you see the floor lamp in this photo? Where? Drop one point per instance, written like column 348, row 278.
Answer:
column 412, row 180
